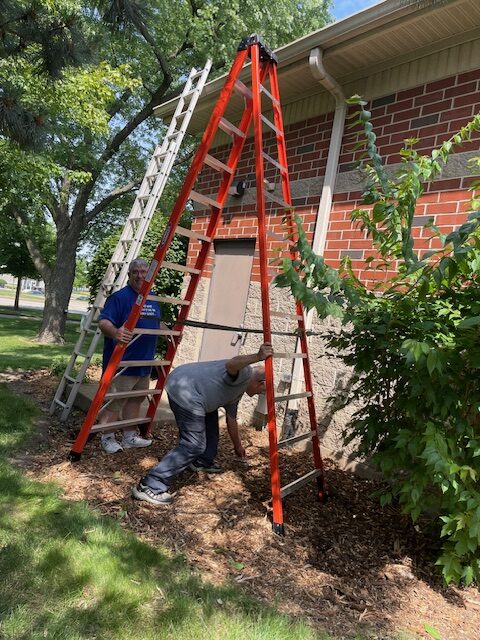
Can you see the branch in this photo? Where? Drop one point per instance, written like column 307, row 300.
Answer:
column 113, row 195
column 35, row 254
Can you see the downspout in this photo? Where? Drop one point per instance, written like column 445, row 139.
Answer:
column 323, row 215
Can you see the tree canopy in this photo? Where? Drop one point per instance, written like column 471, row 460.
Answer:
column 75, row 126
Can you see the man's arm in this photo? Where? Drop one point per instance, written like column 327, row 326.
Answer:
column 120, row 334
column 238, row 363
column 232, row 426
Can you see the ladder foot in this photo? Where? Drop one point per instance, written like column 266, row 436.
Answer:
column 278, row 529
column 322, row 492
column 73, row 456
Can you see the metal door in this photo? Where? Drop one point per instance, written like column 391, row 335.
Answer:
column 227, row 299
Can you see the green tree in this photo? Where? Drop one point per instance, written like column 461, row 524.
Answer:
column 14, row 254
column 413, row 346
column 96, row 117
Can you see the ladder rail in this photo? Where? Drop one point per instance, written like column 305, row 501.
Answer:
column 131, row 240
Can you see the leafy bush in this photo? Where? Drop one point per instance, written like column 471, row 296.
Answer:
column 413, row 345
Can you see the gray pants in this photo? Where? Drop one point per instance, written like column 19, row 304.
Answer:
column 198, row 441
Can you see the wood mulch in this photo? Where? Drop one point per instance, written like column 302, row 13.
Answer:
column 347, row 566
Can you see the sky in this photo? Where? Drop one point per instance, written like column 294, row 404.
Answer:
column 343, row 8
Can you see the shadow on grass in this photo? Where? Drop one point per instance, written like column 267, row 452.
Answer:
column 69, row 573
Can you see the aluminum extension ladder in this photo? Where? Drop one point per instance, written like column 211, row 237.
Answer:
column 263, row 74
column 130, row 242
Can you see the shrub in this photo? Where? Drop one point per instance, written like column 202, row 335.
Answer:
column 413, row 345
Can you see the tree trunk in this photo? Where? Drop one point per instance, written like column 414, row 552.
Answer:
column 58, row 289
column 17, row 293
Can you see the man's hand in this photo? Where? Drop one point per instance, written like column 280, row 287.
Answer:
column 123, row 335
column 265, row 351
column 240, row 451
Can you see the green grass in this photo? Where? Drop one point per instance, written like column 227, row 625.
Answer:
column 70, row 574
column 19, row 350
column 34, row 313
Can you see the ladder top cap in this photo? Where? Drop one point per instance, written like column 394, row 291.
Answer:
column 265, row 52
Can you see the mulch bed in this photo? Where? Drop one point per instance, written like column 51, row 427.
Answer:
column 347, row 566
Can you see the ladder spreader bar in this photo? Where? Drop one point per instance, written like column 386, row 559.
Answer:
column 300, row 482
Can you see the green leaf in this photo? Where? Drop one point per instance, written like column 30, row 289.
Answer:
column 434, row 633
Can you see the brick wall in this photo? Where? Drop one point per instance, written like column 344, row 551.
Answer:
column 431, row 112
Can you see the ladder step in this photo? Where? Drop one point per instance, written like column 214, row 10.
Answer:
column 270, row 125
column 60, row 403
column 157, row 332
column 144, row 363
column 218, row 165
column 271, row 160
column 81, row 355
column 299, row 438
column 289, row 355
column 168, row 299
column 201, row 199
column 294, row 396
column 277, row 200
column 70, row 379
column 242, row 89
column 179, row 267
column 192, row 234
column 133, row 394
column 300, row 482
column 119, row 424
column 230, row 128
column 264, row 90
column 286, row 316
column 279, row 238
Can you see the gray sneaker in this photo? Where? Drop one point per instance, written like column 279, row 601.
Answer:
column 211, row 468
column 136, row 442
column 143, row 492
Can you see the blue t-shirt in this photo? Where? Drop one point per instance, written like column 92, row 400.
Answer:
column 117, row 309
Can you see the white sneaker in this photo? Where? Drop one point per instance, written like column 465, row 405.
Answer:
column 135, row 442
column 110, row 445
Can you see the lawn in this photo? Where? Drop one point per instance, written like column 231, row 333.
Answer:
column 19, row 350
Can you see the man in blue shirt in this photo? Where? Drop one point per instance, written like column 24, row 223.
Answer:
column 143, row 347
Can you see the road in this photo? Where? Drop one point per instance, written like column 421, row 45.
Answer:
column 78, row 306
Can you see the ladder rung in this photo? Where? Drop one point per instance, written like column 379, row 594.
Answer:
column 242, row 89
column 230, row 128
column 172, row 135
column 189, row 233
column 299, row 438
column 294, row 396
column 119, row 424
column 168, row 300
column 70, row 379
column 62, row 404
column 160, row 155
column 270, row 124
column 144, row 363
column 145, row 196
column 196, row 74
column 274, row 162
column 289, row 355
column 286, row 316
column 216, row 164
column 179, row 267
column 296, row 484
column 280, row 238
column 269, row 95
column 81, row 355
column 278, row 200
column 198, row 197
column 133, row 394
column 157, row 332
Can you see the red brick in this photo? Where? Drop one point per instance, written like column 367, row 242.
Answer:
column 454, row 219
column 436, row 107
column 410, row 93
column 451, row 196
column 465, row 112
column 466, row 100
column 444, row 185
column 428, row 98
column 468, row 76
column 400, row 105
column 441, row 84
column 461, row 90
